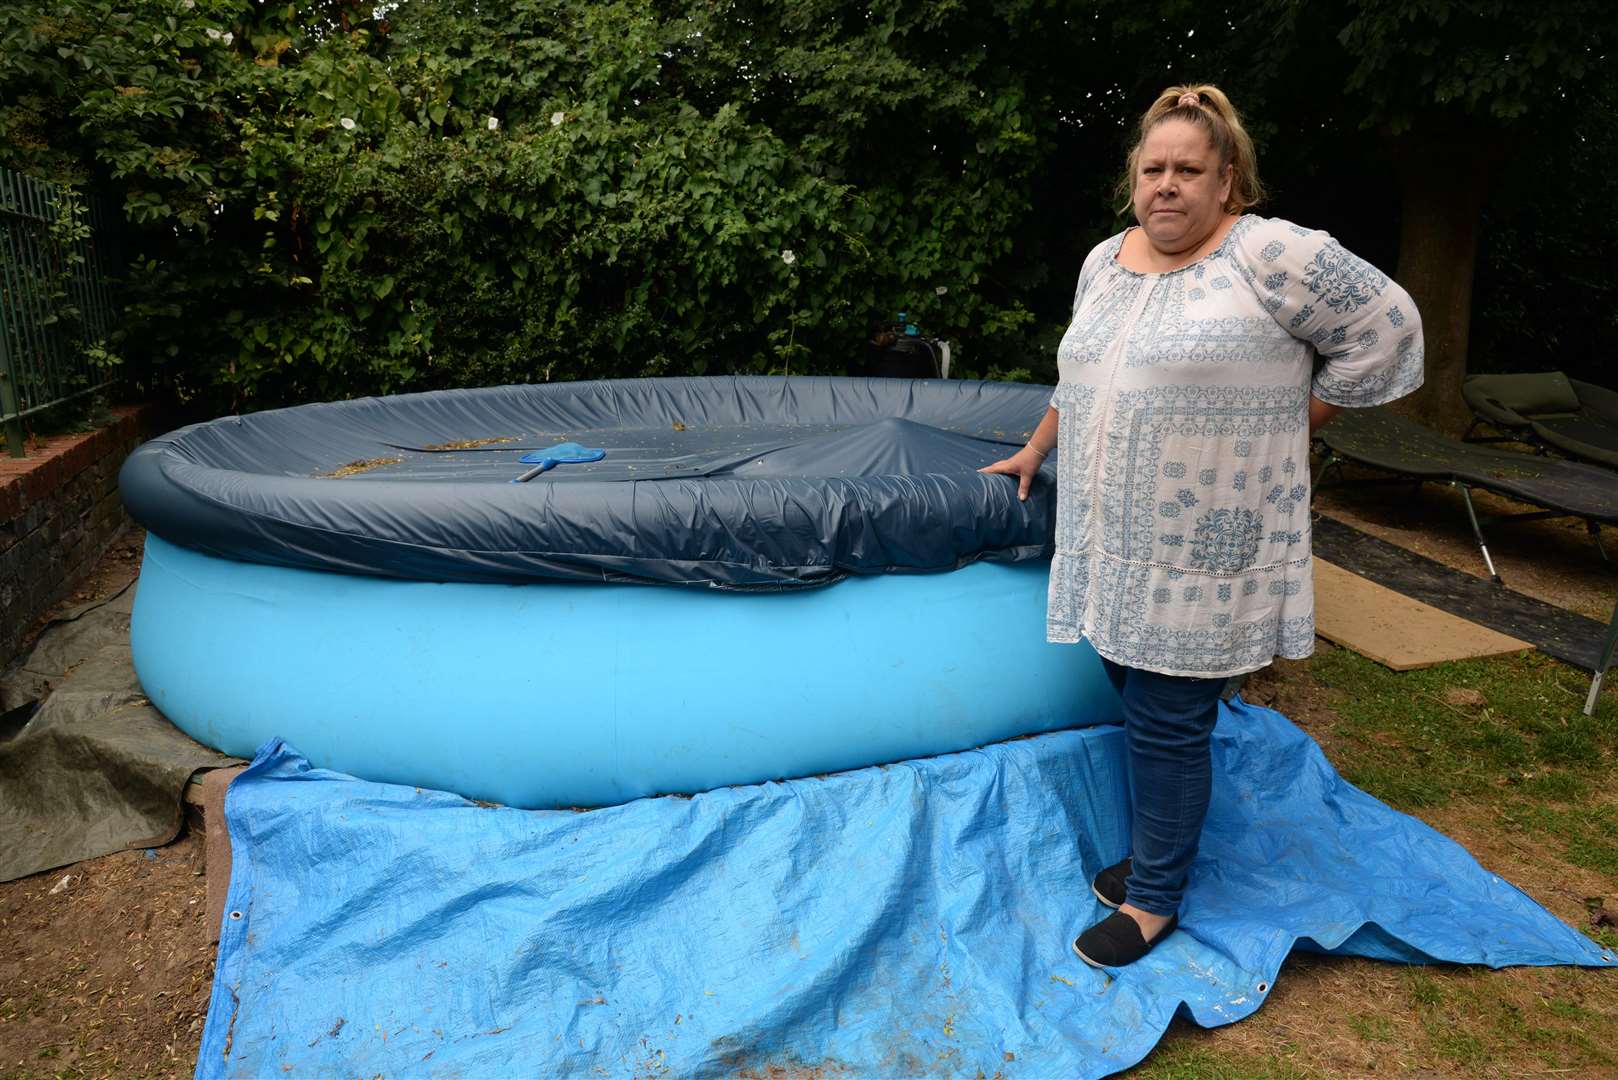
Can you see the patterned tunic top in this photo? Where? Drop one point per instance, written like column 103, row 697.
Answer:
column 1182, row 526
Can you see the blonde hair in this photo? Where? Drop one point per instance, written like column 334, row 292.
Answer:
column 1218, row 118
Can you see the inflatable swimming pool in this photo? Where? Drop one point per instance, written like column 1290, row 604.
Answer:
column 758, row 579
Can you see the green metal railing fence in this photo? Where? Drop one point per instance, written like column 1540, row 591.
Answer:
column 54, row 299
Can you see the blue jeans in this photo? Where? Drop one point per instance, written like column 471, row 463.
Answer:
column 1168, row 726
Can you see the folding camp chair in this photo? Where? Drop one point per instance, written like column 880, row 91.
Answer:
column 1547, row 410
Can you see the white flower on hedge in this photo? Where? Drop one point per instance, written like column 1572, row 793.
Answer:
column 941, row 290
column 188, row 4
column 789, row 256
column 557, row 117
column 494, row 123
column 213, row 35
column 228, row 37
column 347, row 122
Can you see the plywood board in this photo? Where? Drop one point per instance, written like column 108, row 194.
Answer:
column 1552, row 630
column 1393, row 629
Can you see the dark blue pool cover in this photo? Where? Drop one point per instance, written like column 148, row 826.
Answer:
column 908, row 920
column 734, row 482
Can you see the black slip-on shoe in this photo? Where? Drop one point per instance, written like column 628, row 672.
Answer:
column 1116, row 941
column 1109, row 884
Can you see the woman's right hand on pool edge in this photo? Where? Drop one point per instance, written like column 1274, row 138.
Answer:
column 1024, row 465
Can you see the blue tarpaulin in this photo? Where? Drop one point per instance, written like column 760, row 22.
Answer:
column 898, row 920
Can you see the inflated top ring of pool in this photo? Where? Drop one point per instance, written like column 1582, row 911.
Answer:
column 389, row 586
column 723, row 481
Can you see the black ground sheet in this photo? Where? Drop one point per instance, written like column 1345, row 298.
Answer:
column 1553, row 630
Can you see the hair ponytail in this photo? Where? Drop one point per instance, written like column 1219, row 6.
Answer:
column 1214, row 113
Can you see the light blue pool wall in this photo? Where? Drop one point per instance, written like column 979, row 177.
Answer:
column 553, row 694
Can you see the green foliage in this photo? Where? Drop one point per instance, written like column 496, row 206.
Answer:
column 322, row 202
column 1489, row 59
column 1546, row 296
column 325, row 204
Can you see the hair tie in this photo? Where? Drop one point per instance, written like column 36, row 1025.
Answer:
column 1189, row 100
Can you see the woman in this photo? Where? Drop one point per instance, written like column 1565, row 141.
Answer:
column 1183, row 413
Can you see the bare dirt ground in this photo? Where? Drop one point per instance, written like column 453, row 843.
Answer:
column 105, row 966
column 108, row 975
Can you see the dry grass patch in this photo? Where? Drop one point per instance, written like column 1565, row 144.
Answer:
column 1345, row 1017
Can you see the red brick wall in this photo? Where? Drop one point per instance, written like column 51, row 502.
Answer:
column 59, row 510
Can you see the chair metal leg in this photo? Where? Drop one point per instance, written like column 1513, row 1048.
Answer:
column 1609, row 645
column 1595, row 534
column 1477, row 530
column 1320, row 474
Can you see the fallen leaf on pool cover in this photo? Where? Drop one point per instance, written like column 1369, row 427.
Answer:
column 469, row 444
column 354, row 467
